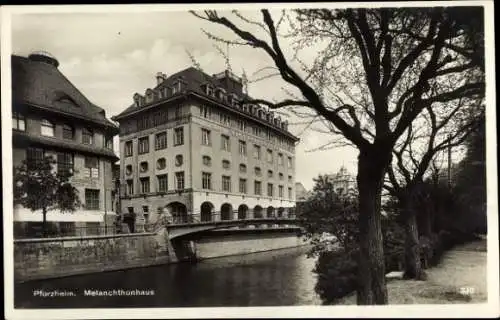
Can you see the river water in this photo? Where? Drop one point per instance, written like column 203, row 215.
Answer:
column 274, row 278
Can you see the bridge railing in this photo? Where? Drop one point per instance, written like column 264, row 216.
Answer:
column 201, row 218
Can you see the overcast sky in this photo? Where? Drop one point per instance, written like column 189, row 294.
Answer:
column 110, row 56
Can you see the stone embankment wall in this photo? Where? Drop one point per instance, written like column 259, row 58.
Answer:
column 57, row 257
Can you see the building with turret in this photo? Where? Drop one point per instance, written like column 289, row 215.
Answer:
column 51, row 117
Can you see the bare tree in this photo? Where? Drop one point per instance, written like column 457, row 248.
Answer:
column 376, row 71
column 434, row 132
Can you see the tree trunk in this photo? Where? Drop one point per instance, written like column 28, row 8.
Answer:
column 44, row 221
column 371, row 265
column 413, row 266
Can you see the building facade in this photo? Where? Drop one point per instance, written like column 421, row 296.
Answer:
column 51, row 117
column 343, row 182
column 191, row 146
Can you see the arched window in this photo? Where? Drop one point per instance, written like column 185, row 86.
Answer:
column 48, row 128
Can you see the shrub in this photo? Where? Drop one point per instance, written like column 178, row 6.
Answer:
column 337, row 275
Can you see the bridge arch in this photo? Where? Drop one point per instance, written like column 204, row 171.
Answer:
column 242, row 212
column 281, row 212
column 270, row 212
column 206, row 211
column 178, row 211
column 257, row 212
column 226, row 212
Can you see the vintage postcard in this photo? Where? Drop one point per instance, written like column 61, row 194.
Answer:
column 249, row 160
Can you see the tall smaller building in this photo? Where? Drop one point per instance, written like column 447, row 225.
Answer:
column 343, row 181
column 51, row 117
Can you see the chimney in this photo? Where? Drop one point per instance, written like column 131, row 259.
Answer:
column 160, row 77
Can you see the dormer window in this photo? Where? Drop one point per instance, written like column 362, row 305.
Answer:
column 167, row 92
column 209, row 91
column 245, row 107
column 177, row 87
column 260, row 114
column 220, row 93
column 150, row 96
column 137, row 100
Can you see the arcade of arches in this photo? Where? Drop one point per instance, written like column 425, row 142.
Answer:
column 208, row 212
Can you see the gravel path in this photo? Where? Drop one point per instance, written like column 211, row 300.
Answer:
column 459, row 278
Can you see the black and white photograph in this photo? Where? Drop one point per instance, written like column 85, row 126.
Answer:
column 249, row 160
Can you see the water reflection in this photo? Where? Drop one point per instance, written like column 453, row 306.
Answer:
column 275, row 278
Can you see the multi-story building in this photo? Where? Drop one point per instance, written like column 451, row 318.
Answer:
column 192, row 146
column 51, row 117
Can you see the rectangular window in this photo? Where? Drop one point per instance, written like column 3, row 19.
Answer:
column 258, row 188
column 280, row 159
column 280, row 191
column 129, row 150
column 290, row 162
column 162, row 183
column 269, row 189
column 48, row 128
column 206, row 180
column 243, row 148
column 92, row 199
column 242, row 125
column 206, row 112
column 289, row 193
column 130, row 187
column 145, row 185
column 108, row 143
column 87, row 136
column 145, row 210
column 226, row 183
column 68, row 132
column 179, row 136
column 161, row 140
column 205, row 137
column 290, row 179
column 65, row 163
column 178, row 112
column 225, row 143
column 243, row 186
column 179, row 180
column 18, row 121
column 269, row 155
column 34, row 157
column 143, row 145
column 91, row 167
column 256, row 152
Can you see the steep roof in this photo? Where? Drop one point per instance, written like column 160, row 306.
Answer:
column 37, row 81
column 193, row 79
